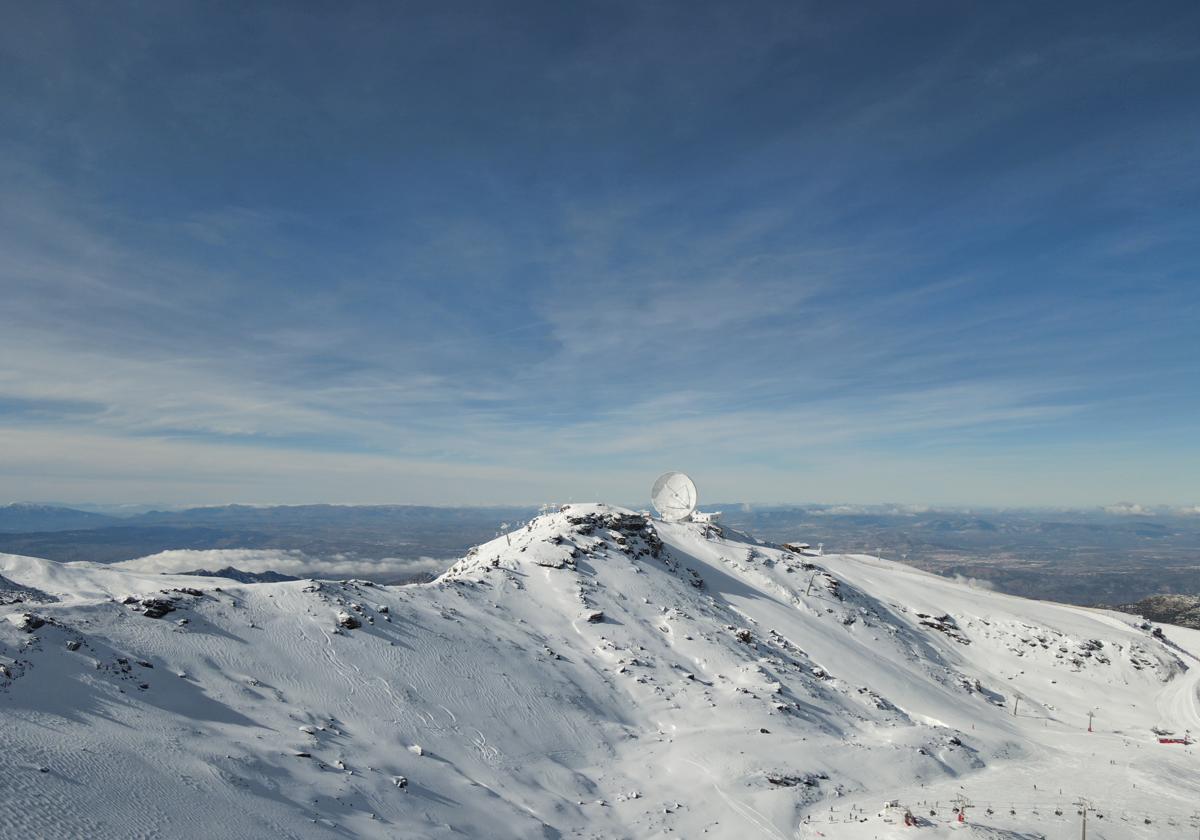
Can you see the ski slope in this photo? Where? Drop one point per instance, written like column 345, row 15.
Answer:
column 595, row 675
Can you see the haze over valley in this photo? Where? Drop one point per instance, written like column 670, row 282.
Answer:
column 1113, row 556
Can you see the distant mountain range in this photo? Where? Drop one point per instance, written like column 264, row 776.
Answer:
column 1084, row 556
column 31, row 518
column 230, row 573
column 592, row 673
column 375, row 531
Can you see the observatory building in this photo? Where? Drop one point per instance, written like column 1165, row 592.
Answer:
column 674, row 497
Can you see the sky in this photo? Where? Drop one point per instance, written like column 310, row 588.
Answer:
column 515, row 252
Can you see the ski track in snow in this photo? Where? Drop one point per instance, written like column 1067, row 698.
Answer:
column 745, row 811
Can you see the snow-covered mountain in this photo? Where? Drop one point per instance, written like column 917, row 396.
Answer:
column 594, row 674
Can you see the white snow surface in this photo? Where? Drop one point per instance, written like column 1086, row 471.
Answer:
column 594, row 674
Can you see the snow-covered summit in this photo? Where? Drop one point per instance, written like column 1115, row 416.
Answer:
column 556, row 540
column 593, row 673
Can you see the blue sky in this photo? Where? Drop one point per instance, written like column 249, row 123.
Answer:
column 934, row 253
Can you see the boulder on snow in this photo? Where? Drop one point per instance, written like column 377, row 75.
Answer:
column 795, row 780
column 156, row 607
column 348, row 620
column 594, row 617
column 73, row 644
column 29, row 622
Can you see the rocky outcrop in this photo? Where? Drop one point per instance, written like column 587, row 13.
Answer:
column 29, row 622
column 242, row 577
column 1181, row 610
column 15, row 593
column 156, row 607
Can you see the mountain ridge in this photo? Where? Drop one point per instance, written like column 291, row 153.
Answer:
column 594, row 673
column 33, row 517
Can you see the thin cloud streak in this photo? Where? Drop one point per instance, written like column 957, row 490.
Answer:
column 288, row 562
column 594, row 250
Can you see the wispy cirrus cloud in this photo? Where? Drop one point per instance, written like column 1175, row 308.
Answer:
column 759, row 246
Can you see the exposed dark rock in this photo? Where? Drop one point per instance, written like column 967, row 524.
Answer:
column 944, row 624
column 30, row 622
column 156, row 607
column 242, row 577
column 16, row 593
column 1182, row 610
column 792, row 780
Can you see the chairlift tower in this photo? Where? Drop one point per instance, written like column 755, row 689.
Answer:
column 1084, row 806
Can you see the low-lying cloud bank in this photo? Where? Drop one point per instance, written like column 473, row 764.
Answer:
column 285, row 561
